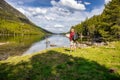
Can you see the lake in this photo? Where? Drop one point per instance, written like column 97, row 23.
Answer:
column 24, row 45
column 49, row 42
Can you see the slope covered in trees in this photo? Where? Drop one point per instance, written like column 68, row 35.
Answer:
column 105, row 26
column 14, row 22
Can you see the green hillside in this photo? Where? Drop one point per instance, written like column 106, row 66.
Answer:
column 14, row 22
column 105, row 26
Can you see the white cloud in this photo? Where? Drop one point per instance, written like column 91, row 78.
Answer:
column 87, row 3
column 37, row 10
column 107, row 1
column 79, row 1
column 95, row 11
column 53, row 2
column 58, row 26
column 59, row 17
column 49, row 18
column 69, row 4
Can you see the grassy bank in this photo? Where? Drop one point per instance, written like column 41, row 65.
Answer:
column 93, row 63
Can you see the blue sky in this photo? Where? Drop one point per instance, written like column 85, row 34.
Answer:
column 58, row 15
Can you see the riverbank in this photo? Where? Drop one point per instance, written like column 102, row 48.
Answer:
column 91, row 63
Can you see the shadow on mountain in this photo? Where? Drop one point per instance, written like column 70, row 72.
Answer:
column 54, row 65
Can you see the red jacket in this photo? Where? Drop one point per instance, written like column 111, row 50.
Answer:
column 71, row 35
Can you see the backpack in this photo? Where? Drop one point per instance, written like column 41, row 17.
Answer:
column 75, row 36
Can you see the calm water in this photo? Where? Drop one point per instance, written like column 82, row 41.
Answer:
column 22, row 45
column 49, row 42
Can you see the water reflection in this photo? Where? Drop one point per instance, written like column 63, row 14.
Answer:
column 49, row 42
column 16, row 45
column 19, row 45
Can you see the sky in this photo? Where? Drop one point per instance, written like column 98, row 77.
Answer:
column 58, row 16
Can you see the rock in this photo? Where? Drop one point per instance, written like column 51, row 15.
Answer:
column 111, row 70
column 53, row 45
column 81, row 45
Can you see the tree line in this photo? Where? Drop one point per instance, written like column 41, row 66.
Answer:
column 105, row 25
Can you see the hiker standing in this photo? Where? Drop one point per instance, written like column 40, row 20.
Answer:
column 72, row 42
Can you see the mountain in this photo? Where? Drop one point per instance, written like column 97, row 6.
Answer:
column 105, row 26
column 14, row 22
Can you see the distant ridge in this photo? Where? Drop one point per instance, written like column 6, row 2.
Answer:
column 14, row 22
